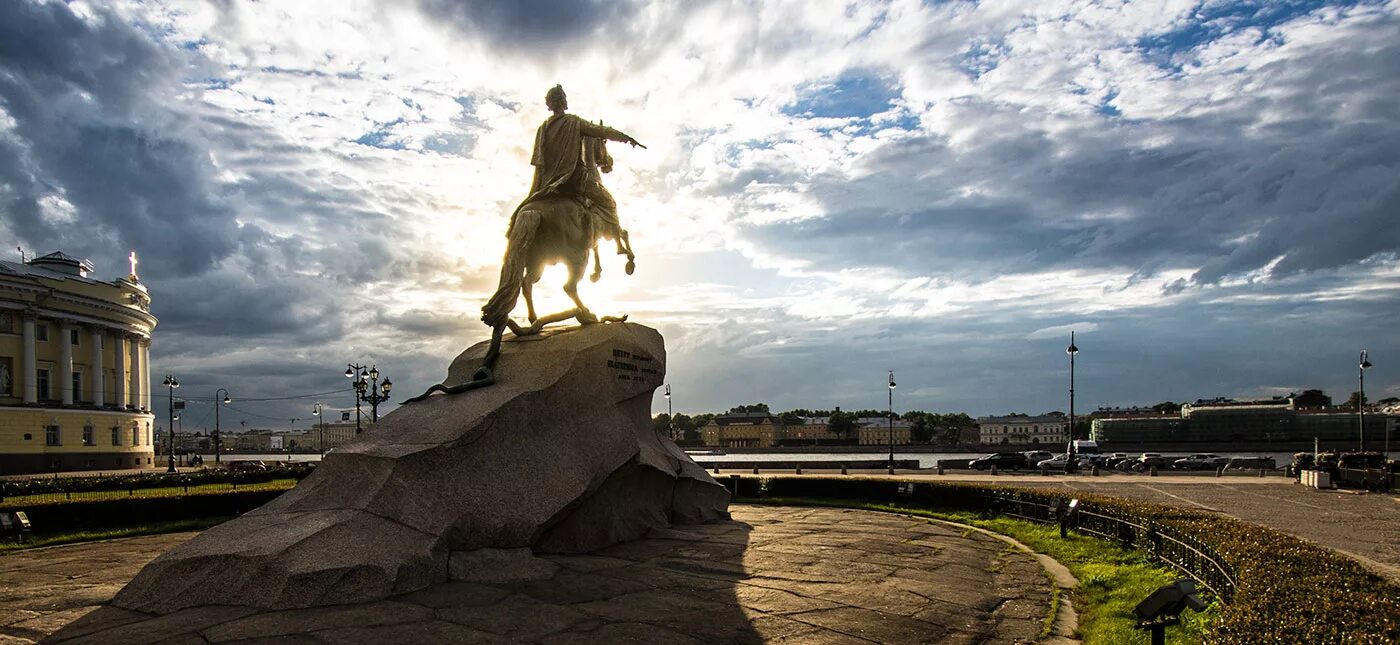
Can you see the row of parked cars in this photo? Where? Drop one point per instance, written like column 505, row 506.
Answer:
column 1114, row 461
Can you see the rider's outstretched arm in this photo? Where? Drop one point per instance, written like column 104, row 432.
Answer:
column 589, row 129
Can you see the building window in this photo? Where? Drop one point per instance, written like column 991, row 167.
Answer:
column 43, row 384
column 88, row 438
column 116, row 435
column 73, row 337
column 41, row 332
column 77, row 384
column 51, row 436
column 28, row 437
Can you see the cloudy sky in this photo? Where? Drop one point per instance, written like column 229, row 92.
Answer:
column 1208, row 193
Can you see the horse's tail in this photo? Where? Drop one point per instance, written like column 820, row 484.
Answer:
column 522, row 235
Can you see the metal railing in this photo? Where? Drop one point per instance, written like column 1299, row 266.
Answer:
column 1375, row 479
column 1175, row 548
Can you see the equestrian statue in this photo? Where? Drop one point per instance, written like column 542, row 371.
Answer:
column 561, row 219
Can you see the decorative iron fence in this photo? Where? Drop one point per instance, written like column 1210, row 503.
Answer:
column 1177, row 549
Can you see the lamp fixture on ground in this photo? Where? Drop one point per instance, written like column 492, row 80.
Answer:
column 1070, row 457
column 170, row 384
column 1164, row 608
column 891, row 386
column 218, row 438
column 1361, row 399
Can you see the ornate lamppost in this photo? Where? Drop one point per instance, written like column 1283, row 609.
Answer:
column 170, row 384
column 218, row 438
column 373, row 392
column 1070, row 464
column 891, row 385
column 1361, row 400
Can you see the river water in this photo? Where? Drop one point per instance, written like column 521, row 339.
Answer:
column 925, row 459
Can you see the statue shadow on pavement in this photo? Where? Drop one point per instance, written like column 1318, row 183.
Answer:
column 677, row 585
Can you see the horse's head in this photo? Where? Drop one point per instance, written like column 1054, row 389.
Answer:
column 597, row 151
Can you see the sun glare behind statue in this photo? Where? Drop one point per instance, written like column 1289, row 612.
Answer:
column 603, row 298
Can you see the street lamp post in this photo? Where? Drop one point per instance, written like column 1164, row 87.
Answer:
column 670, row 417
column 218, row 438
column 170, row 384
column 357, row 374
column 321, row 422
column 1361, row 402
column 891, row 464
column 377, row 392
column 1070, row 464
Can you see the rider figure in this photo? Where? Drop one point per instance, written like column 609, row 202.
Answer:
column 560, row 167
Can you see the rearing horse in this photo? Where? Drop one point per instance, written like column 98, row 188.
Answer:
column 546, row 230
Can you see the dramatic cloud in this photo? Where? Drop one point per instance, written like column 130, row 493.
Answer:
column 831, row 189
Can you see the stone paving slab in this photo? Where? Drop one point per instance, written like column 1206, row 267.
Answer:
column 774, row 574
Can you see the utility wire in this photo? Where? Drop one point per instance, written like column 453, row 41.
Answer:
column 206, row 399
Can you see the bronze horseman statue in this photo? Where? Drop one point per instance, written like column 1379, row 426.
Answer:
column 561, row 219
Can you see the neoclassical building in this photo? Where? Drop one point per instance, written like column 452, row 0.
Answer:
column 74, row 368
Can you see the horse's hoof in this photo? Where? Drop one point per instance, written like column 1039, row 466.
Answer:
column 482, row 374
column 631, row 266
column 594, row 277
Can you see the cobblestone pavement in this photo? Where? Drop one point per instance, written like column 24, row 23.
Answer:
column 781, row 574
column 1365, row 526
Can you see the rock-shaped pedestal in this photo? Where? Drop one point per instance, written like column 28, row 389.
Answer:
column 557, row 456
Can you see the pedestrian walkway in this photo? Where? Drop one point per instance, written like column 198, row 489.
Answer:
column 1364, row 526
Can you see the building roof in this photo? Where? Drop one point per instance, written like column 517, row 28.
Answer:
column 1044, row 418
column 745, row 418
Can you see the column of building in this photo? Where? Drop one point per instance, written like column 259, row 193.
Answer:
column 119, row 391
column 65, row 361
column 31, row 358
column 133, row 348
column 145, row 383
column 98, row 392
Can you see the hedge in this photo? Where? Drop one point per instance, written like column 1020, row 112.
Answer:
column 59, row 517
column 1288, row 590
column 48, row 485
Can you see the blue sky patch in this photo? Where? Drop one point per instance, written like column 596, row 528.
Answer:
column 1211, row 22
column 855, row 94
column 382, row 137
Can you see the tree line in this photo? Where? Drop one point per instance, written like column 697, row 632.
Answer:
column 926, row 427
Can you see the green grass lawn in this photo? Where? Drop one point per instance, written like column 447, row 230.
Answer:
column 53, row 539
column 18, row 502
column 1112, row 580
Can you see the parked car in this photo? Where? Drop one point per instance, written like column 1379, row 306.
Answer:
column 1250, row 463
column 1058, row 462
column 1003, row 460
column 246, row 466
column 1112, row 460
column 1201, row 461
column 1037, row 456
column 1150, row 459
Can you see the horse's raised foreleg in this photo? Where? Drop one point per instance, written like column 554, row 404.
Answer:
column 624, row 247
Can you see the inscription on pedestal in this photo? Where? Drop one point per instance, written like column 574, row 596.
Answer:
column 634, row 365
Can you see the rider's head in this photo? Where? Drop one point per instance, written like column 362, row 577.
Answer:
column 556, row 100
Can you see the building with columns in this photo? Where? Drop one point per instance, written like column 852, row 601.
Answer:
column 74, row 368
